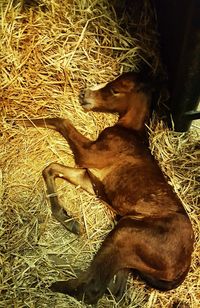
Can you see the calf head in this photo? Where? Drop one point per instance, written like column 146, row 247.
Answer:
column 129, row 95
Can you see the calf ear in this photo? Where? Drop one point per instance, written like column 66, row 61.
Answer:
column 128, row 86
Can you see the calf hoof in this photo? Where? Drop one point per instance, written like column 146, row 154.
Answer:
column 67, row 221
column 70, row 287
column 86, row 291
column 19, row 122
column 11, row 122
column 73, row 226
column 60, row 286
column 117, row 285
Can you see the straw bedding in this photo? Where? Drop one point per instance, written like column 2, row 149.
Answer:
column 48, row 53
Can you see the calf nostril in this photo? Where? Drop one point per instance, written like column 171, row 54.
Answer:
column 81, row 94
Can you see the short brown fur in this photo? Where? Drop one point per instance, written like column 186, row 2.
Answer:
column 153, row 235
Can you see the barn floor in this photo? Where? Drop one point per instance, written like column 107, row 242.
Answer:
column 48, row 53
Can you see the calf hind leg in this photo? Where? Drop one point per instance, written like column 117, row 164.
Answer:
column 92, row 284
column 76, row 176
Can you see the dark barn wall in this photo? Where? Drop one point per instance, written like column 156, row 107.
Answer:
column 179, row 27
column 178, row 24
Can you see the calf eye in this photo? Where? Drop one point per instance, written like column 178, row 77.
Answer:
column 114, row 92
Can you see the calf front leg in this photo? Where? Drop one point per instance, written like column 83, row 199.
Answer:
column 63, row 126
column 76, row 176
column 78, row 143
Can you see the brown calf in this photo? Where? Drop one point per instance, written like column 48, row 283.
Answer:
column 153, row 235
